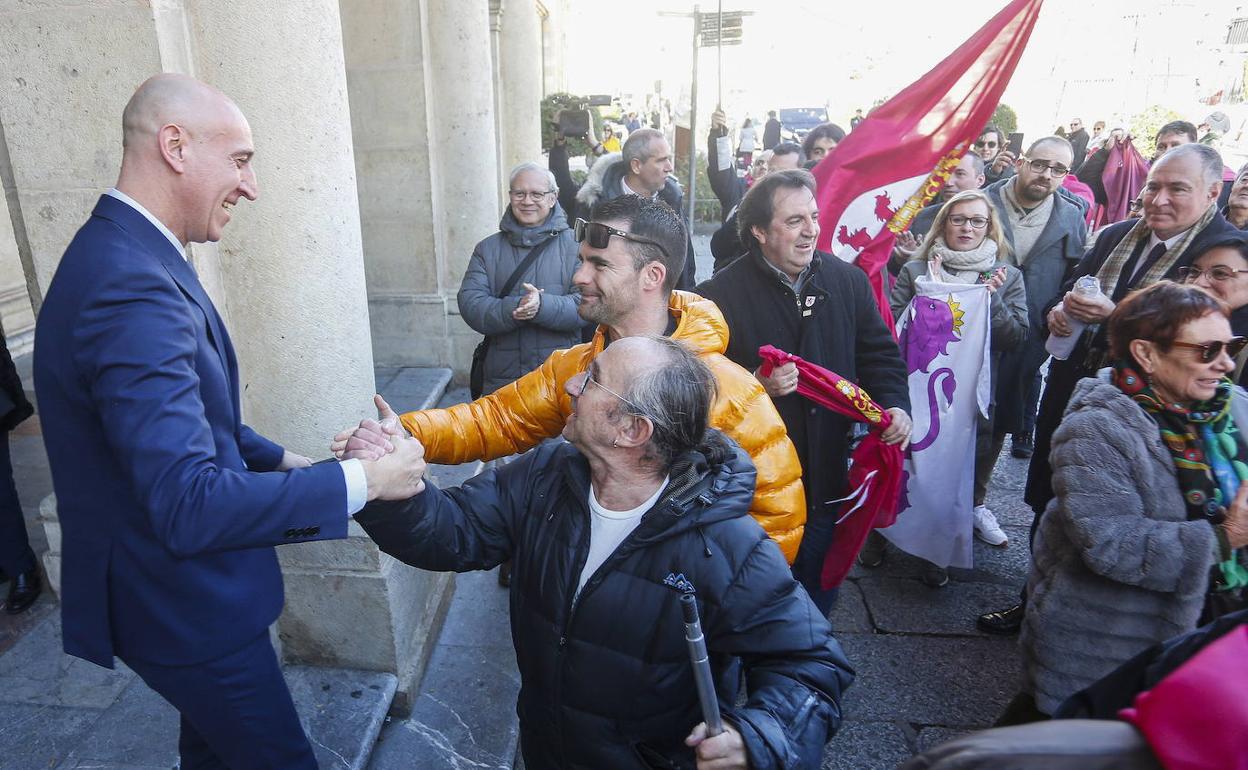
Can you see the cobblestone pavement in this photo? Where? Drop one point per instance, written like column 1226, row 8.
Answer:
column 925, row 672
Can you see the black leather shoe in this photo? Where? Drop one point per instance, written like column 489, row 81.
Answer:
column 23, row 591
column 1022, row 446
column 1003, row 622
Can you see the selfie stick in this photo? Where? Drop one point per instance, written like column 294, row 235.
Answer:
column 701, row 666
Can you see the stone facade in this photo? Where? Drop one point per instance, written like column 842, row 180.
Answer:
column 379, row 162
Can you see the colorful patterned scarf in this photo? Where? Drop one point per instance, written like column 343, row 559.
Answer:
column 1210, row 458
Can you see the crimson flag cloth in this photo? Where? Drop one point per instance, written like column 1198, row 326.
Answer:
column 900, row 155
column 875, row 467
column 1123, row 177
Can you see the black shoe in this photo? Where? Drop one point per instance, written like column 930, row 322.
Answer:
column 935, row 576
column 23, row 591
column 1002, row 622
column 872, row 553
column 504, row 574
column 1022, row 446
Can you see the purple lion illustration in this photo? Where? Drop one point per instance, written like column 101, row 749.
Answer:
column 935, row 324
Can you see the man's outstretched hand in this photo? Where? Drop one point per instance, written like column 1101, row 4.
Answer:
column 400, row 474
column 371, row 438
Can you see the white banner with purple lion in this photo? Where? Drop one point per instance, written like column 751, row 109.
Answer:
column 944, row 341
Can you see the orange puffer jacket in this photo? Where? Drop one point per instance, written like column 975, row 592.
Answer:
column 535, row 407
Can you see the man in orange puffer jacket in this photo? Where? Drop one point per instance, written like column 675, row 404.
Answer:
column 631, row 255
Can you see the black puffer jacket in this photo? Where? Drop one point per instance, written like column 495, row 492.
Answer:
column 607, row 683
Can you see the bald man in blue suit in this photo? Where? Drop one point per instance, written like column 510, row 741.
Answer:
column 170, row 506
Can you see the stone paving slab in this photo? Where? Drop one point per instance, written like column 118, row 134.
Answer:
column 410, row 389
column 40, row 736
column 465, row 715
column 934, row 736
column 849, row 614
column 953, row 682
column 139, row 729
column 907, row 606
column 35, row 671
column 859, row 745
column 484, row 619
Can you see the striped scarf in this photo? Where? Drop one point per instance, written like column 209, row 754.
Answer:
column 1111, row 271
column 1210, row 459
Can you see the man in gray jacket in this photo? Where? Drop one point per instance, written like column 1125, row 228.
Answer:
column 538, row 315
column 1046, row 232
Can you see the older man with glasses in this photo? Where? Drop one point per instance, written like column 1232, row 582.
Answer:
column 642, row 506
column 631, row 253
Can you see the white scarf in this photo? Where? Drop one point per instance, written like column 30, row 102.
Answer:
column 964, row 266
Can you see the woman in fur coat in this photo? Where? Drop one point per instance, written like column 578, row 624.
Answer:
column 1146, row 536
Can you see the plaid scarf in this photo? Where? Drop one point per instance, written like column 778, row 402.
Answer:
column 1111, row 271
column 1210, row 459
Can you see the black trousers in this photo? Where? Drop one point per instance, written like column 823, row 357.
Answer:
column 16, row 556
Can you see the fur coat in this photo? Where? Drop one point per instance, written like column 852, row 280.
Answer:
column 1116, row 565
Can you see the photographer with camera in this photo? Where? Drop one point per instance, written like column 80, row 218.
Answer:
column 643, row 167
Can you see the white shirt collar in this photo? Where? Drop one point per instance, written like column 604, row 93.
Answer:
column 132, row 203
column 1153, row 240
column 630, row 191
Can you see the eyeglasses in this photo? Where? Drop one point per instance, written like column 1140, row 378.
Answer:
column 598, row 235
column 1039, row 167
column 589, row 377
column 979, row 223
column 1209, row 351
column 1216, row 273
column 521, row 195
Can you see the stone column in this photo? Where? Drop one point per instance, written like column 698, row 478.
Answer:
column 422, row 110
column 16, row 316
column 520, row 83
column 461, row 117
column 289, row 275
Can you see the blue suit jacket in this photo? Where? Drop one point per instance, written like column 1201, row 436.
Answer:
column 168, row 509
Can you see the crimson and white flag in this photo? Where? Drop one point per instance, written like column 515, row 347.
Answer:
column 899, row 157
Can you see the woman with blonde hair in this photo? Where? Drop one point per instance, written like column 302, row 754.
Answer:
column 966, row 244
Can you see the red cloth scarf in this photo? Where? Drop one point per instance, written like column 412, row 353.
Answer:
column 875, row 467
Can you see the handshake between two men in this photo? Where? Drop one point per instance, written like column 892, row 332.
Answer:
column 393, row 462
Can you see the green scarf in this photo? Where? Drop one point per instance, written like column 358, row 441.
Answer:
column 1210, row 459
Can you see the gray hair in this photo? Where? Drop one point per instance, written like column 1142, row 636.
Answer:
column 536, row 168
column 676, row 397
column 1209, row 159
column 637, row 146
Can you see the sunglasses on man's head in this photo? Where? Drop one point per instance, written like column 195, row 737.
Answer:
column 598, row 235
column 1209, row 351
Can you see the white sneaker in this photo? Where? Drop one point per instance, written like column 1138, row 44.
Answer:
column 987, row 528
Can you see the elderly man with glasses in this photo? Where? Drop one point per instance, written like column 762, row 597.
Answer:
column 517, row 290
column 608, row 531
column 630, row 256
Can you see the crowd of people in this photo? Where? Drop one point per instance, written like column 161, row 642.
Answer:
column 639, row 450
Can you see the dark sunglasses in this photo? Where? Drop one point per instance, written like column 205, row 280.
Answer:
column 1209, row 351
column 598, row 235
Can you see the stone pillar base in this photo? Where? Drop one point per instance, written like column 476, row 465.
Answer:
column 348, row 605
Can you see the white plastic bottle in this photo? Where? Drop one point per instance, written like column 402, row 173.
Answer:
column 1061, row 347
